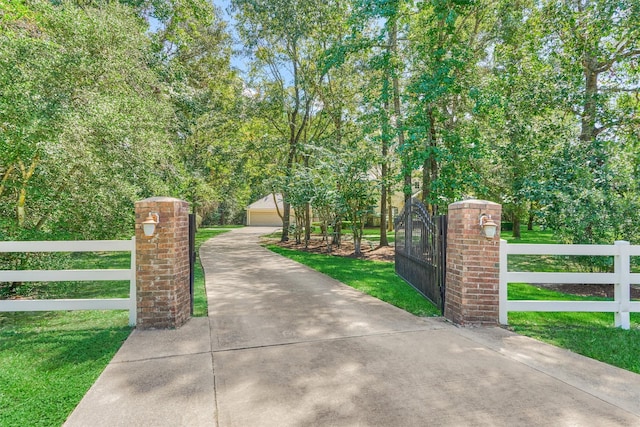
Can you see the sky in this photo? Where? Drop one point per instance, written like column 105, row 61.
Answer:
column 237, row 61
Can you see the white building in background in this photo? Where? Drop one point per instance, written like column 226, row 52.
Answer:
column 264, row 212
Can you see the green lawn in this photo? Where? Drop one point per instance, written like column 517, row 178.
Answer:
column 48, row 360
column 377, row 279
column 548, row 263
column 590, row 334
column 536, row 235
column 373, row 235
column 79, row 261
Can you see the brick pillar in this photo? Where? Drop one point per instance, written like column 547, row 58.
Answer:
column 162, row 265
column 473, row 265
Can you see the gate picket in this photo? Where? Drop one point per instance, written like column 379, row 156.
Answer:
column 420, row 251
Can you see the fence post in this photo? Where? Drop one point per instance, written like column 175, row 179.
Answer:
column 472, row 265
column 133, row 300
column 408, row 227
column 503, row 316
column 622, row 287
column 162, row 270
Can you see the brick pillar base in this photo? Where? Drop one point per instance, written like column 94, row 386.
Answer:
column 162, row 265
column 473, row 265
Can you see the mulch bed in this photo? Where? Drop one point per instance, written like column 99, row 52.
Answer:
column 346, row 249
column 588, row 290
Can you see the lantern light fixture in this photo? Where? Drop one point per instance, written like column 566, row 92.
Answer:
column 488, row 226
column 150, row 223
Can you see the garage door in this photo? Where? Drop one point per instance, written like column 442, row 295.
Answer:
column 265, row 219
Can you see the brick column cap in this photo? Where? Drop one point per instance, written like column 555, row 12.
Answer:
column 473, row 203
column 160, row 199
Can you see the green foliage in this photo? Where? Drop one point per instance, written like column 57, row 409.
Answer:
column 355, row 190
column 531, row 104
column 296, row 101
column 377, row 279
column 65, row 261
column 82, row 112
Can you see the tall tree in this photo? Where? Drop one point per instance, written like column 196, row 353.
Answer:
column 451, row 40
column 285, row 38
column 593, row 47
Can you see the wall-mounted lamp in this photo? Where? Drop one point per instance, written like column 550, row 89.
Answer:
column 149, row 224
column 488, row 226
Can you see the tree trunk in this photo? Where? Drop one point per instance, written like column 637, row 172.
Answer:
column 22, row 197
column 5, row 178
column 357, row 239
column 384, row 191
column 397, row 111
column 516, row 227
column 307, row 224
column 286, row 220
column 390, row 226
column 430, row 166
column 337, row 233
column 286, row 215
column 357, row 243
column 20, row 212
column 590, row 108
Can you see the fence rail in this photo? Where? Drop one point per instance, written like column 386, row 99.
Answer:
column 621, row 279
column 72, row 276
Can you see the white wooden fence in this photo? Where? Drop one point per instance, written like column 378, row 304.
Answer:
column 621, row 278
column 72, row 275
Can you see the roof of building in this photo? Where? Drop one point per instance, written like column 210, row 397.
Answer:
column 267, row 202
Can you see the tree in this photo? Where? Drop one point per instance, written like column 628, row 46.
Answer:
column 207, row 97
column 373, row 45
column 287, row 39
column 87, row 127
column 356, row 193
column 593, row 47
column 451, row 40
column 515, row 109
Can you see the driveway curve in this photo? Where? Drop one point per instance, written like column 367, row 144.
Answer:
column 286, row 346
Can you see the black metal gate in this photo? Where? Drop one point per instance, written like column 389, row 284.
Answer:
column 421, row 248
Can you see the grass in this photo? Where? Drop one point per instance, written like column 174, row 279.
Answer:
column 80, row 261
column 536, row 236
column 549, row 263
column 373, row 235
column 377, row 279
column 48, row 360
column 590, row 334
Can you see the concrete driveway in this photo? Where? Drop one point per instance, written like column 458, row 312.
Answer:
column 286, row 346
